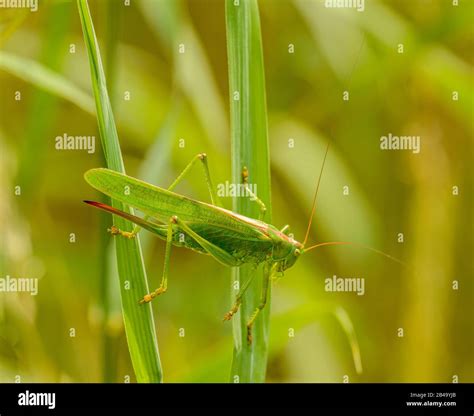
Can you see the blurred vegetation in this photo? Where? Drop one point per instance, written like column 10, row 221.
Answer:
column 177, row 96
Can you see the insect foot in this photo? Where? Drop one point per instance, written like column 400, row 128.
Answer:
column 150, row 296
column 245, row 175
column 249, row 334
column 228, row 316
column 117, row 231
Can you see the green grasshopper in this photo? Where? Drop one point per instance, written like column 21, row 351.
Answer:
column 230, row 238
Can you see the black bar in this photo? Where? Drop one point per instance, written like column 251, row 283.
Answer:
column 454, row 398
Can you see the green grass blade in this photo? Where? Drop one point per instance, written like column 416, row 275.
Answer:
column 45, row 79
column 249, row 148
column 138, row 320
column 108, row 289
column 346, row 323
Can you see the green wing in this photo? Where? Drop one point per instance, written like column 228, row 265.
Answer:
column 162, row 204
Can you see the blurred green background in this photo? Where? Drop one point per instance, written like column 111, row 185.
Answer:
column 183, row 98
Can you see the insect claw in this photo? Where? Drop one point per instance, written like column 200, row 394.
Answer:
column 150, row 296
column 228, row 316
column 249, row 335
column 145, row 299
column 245, row 174
column 117, row 231
column 113, row 230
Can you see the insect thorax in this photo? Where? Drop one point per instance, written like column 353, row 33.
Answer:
column 285, row 253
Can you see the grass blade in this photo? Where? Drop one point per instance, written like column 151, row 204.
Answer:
column 108, row 289
column 346, row 323
column 138, row 321
column 249, row 148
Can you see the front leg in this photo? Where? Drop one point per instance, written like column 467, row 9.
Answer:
column 238, row 299
column 252, row 195
column 263, row 301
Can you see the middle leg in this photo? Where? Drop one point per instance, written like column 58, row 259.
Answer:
column 166, row 267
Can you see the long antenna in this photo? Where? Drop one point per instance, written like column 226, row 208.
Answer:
column 313, row 209
column 338, row 243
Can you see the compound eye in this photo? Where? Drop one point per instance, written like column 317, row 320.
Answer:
column 297, row 252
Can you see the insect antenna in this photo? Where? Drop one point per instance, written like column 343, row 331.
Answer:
column 313, row 209
column 340, row 243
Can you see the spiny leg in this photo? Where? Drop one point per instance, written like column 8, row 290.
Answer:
column 202, row 157
column 263, row 300
column 238, row 299
column 166, row 266
column 253, row 196
column 218, row 253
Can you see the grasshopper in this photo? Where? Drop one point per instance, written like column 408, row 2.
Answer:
column 230, row 238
